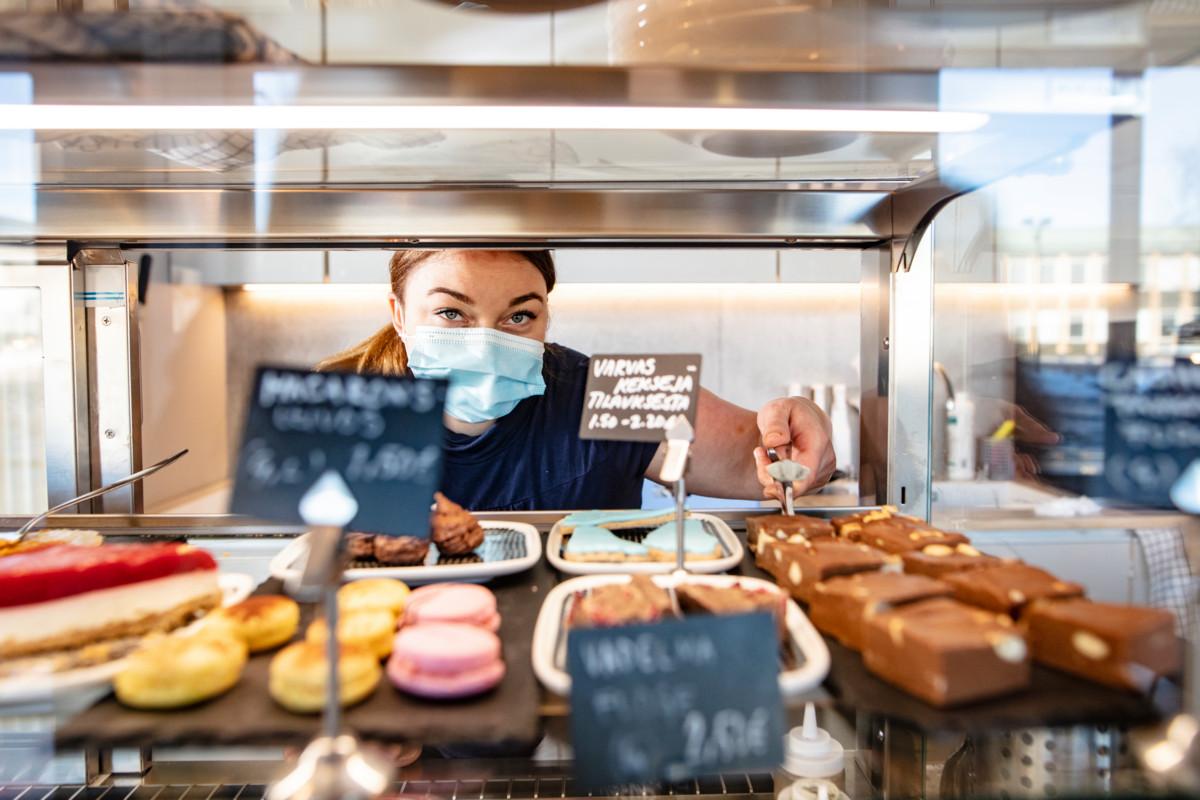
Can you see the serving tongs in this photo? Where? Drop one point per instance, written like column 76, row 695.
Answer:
column 785, row 472
column 134, row 478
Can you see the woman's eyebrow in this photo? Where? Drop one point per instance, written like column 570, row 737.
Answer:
column 459, row 296
column 516, row 301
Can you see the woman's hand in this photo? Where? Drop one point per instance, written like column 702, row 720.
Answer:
column 799, row 431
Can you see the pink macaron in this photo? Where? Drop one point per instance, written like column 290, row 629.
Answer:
column 445, row 660
column 463, row 603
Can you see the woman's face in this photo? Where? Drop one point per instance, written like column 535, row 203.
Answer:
column 474, row 289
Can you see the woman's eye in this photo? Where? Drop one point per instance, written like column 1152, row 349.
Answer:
column 521, row 317
column 449, row 314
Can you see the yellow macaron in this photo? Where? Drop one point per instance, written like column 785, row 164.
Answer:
column 372, row 629
column 374, row 593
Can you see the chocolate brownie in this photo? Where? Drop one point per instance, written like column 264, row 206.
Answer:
column 1008, row 587
column 700, row 598
column 897, row 535
column 360, row 545
column 840, row 606
column 946, row 652
column 936, row 560
column 782, row 526
column 844, row 526
column 798, row 567
column 400, row 551
column 1126, row 647
column 639, row 600
column 453, row 529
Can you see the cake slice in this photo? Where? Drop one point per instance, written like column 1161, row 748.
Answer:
column 1008, row 587
column 639, row 600
column 66, row 596
column 702, row 598
column 841, row 606
column 799, row 567
column 1127, row 647
column 698, row 544
column 589, row 543
column 900, row 535
column 946, row 653
column 937, row 560
column 782, row 526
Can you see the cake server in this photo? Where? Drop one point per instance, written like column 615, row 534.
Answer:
column 785, row 471
column 134, row 478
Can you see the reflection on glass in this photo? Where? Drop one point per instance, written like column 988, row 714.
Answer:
column 22, row 424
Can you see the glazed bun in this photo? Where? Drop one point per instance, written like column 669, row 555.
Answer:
column 298, row 674
column 177, row 671
column 263, row 621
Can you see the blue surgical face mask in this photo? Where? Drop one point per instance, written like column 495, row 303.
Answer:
column 489, row 371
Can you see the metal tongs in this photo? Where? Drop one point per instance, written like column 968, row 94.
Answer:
column 134, row 478
column 785, row 472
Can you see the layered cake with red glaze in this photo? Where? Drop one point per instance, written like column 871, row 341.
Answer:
column 65, row 596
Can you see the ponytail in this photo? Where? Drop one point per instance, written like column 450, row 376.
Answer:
column 383, row 354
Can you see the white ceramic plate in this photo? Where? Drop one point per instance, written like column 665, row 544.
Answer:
column 508, row 547
column 550, row 636
column 235, row 587
column 728, row 539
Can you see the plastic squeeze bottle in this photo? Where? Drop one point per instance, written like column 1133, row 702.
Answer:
column 812, row 761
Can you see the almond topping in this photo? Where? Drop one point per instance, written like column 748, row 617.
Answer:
column 938, row 550
column 1008, row 647
column 1016, row 596
column 1089, row 645
column 967, row 550
column 896, row 631
column 794, row 574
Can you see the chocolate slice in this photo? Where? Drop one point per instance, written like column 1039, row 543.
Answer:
column 1127, row 647
column 639, row 600
column 847, row 525
column 945, row 652
column 781, row 526
column 798, row 567
column 900, row 535
column 1009, row 587
column 700, row 598
column 839, row 606
column 399, row 551
column 937, row 560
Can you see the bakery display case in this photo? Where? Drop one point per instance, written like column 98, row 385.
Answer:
column 968, row 233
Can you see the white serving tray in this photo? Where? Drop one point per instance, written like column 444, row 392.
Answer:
column 549, row 651
column 235, row 587
column 289, row 562
column 728, row 539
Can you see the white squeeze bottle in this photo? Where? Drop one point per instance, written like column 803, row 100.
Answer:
column 814, row 763
column 960, row 438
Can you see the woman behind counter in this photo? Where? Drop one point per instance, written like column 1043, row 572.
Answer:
column 479, row 317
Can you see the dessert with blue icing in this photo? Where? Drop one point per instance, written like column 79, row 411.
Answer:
column 589, row 543
column 698, row 543
column 616, row 520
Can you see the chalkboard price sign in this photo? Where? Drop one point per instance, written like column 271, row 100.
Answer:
column 635, row 398
column 674, row 700
column 380, row 436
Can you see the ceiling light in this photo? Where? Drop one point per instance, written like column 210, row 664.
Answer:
column 448, row 117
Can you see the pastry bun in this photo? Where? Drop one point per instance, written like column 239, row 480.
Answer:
column 372, row 594
column 298, row 674
column 177, row 671
column 372, row 630
column 262, row 621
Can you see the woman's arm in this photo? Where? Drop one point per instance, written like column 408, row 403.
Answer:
column 728, row 455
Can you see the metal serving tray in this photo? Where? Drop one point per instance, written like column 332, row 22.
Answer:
column 731, row 547
column 804, row 658
column 507, row 547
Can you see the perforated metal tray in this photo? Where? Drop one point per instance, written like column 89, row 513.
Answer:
column 507, row 547
column 731, row 548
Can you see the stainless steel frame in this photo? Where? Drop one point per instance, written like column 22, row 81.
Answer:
column 65, row 375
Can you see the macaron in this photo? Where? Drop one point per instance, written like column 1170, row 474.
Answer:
column 462, row 603
column 445, row 660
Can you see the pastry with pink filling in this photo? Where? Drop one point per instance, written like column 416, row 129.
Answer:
column 445, row 660
column 461, row 603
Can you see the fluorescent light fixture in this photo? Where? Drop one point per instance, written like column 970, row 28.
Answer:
column 319, row 291
column 451, row 117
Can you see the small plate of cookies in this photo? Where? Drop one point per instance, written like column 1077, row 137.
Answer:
column 640, row 542
column 459, row 548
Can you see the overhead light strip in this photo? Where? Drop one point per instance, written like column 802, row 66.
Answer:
column 450, row 117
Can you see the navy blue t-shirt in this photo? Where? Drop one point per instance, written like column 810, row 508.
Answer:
column 533, row 458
